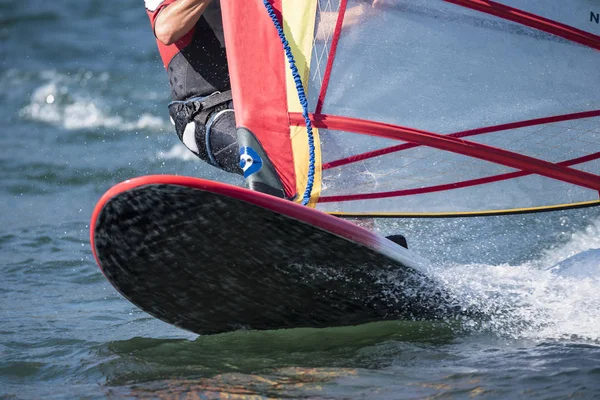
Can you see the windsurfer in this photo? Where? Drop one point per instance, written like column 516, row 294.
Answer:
column 191, row 43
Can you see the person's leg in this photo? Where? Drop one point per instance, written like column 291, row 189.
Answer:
column 222, row 146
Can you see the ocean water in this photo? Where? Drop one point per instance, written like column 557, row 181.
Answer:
column 82, row 107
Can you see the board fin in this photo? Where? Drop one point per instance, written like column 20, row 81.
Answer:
column 398, row 239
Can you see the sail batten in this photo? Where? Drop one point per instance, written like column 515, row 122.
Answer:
column 450, row 186
column 471, row 132
column 456, row 145
column 534, row 21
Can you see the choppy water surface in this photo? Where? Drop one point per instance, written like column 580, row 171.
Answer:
column 82, row 96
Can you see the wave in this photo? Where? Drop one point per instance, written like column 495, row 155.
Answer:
column 177, row 152
column 78, row 101
column 533, row 300
column 579, row 242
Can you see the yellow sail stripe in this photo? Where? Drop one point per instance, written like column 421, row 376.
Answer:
column 299, row 24
column 482, row 213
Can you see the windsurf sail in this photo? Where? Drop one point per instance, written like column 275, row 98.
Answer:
column 422, row 107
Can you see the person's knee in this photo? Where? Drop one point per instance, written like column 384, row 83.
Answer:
column 214, row 140
column 222, row 141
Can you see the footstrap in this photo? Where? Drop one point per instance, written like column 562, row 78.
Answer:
column 210, row 102
column 201, row 107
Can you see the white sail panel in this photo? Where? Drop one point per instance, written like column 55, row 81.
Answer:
column 449, row 69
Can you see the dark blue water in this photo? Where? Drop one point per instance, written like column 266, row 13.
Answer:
column 82, row 107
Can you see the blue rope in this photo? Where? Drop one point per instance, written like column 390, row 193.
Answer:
column 303, row 102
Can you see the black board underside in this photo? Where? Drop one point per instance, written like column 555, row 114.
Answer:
column 210, row 263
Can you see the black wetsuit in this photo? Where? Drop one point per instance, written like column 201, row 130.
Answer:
column 202, row 110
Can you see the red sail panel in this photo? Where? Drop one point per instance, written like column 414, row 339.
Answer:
column 257, row 71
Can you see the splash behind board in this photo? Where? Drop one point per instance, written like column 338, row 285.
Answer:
column 211, row 258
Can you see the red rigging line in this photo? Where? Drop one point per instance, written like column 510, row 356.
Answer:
column 448, row 186
column 455, row 145
column 531, row 20
column 470, row 132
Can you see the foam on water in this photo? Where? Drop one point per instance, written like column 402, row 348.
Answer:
column 533, row 300
column 578, row 243
column 177, row 152
column 76, row 102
